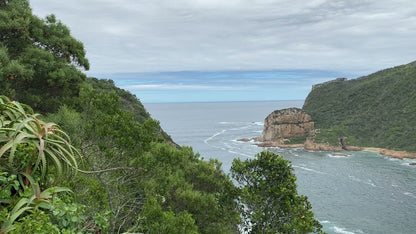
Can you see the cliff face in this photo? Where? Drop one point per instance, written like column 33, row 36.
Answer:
column 287, row 123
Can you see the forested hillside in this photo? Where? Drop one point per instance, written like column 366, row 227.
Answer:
column 378, row 110
column 96, row 162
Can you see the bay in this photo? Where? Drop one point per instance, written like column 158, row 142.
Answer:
column 362, row 193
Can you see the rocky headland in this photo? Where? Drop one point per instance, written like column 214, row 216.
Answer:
column 290, row 128
column 293, row 128
column 371, row 113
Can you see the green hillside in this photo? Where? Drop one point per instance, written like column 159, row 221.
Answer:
column 378, row 110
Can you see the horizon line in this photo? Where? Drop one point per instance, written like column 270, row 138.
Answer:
column 225, row 101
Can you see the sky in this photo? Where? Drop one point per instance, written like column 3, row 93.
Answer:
column 148, row 46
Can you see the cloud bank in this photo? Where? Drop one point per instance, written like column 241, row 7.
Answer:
column 356, row 36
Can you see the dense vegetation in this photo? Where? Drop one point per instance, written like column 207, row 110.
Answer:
column 378, row 110
column 269, row 191
column 95, row 162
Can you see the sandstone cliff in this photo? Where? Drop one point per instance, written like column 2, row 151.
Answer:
column 285, row 124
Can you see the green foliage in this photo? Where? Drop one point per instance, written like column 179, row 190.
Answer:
column 270, row 198
column 153, row 219
column 378, row 110
column 8, row 186
column 32, row 151
column 297, row 140
column 110, row 136
column 39, row 59
column 69, row 120
column 185, row 186
column 36, row 222
column 23, row 199
column 128, row 101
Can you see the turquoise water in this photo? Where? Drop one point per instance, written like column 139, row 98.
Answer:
column 362, row 193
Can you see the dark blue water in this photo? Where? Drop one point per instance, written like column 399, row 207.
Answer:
column 362, row 193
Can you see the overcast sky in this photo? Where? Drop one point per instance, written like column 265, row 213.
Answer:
column 349, row 36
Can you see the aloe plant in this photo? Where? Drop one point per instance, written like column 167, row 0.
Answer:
column 19, row 126
column 42, row 144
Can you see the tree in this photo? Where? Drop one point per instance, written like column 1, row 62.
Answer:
column 39, row 59
column 269, row 196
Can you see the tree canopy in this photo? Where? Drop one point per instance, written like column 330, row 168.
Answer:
column 270, row 198
column 39, row 58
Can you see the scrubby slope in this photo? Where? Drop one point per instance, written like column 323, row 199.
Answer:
column 378, row 110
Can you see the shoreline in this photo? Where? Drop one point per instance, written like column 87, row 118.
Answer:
column 390, row 153
column 308, row 145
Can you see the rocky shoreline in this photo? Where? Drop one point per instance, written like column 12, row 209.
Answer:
column 281, row 126
column 309, row 145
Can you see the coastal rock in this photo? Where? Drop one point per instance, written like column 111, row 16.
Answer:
column 310, row 145
column 397, row 154
column 352, row 148
column 278, row 144
column 244, row 139
column 340, row 155
column 285, row 124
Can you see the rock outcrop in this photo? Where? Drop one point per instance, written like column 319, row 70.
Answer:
column 311, row 145
column 285, row 124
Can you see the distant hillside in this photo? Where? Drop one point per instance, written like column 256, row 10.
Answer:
column 378, row 110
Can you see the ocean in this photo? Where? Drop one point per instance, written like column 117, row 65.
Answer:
column 362, row 193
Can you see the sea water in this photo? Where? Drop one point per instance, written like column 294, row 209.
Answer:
column 362, row 193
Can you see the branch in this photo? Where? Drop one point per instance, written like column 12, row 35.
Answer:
column 109, row 169
column 99, row 171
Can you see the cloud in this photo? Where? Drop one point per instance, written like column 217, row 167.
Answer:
column 211, row 35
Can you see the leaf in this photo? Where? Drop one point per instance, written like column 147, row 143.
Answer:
column 5, row 147
column 54, row 190
column 19, row 139
column 22, row 202
column 17, row 213
column 56, row 160
column 33, row 184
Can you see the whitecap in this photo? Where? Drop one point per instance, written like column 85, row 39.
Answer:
column 392, row 159
column 409, row 194
column 342, row 230
column 240, row 154
column 408, row 162
column 338, row 156
column 309, row 169
column 213, row 136
column 369, row 182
